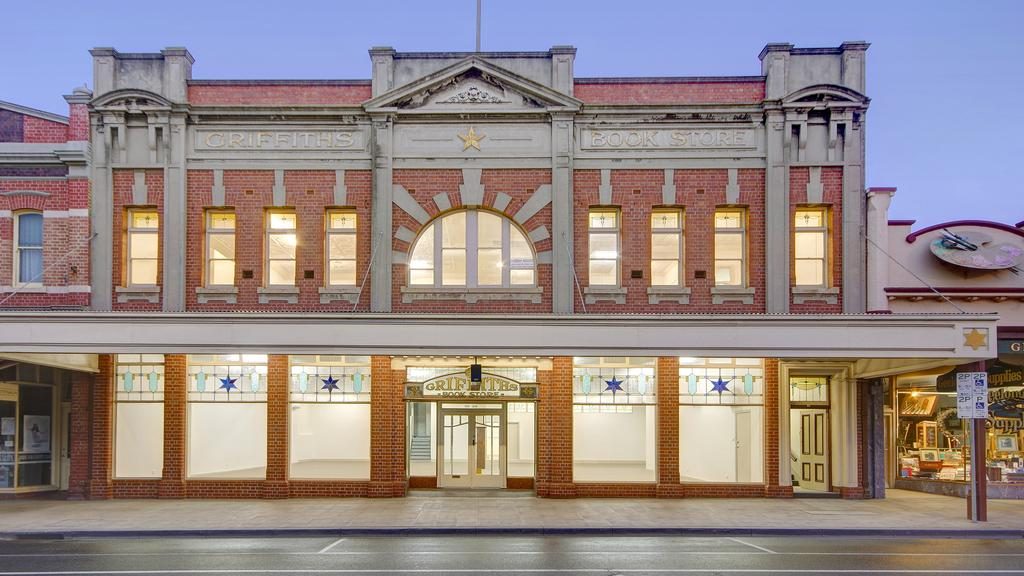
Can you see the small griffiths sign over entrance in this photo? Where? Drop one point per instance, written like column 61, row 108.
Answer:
column 459, row 386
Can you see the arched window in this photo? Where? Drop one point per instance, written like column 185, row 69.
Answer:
column 28, row 260
column 472, row 248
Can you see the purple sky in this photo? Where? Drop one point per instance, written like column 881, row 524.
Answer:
column 937, row 71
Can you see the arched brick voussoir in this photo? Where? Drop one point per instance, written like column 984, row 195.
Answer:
column 540, row 198
column 25, row 199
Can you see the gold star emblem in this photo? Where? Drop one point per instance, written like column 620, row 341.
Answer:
column 976, row 339
column 471, row 139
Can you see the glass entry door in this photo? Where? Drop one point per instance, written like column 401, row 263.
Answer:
column 471, row 440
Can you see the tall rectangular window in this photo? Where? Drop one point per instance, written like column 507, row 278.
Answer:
column 220, row 248
column 730, row 248
column 453, row 250
column 139, row 416
column 603, row 247
column 667, row 247
column 280, row 248
column 341, row 248
column 143, row 247
column 810, row 247
column 28, row 260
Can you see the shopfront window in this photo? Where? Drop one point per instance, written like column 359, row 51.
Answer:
column 227, row 416
column 330, row 417
column 721, row 420
column 614, row 420
column 35, row 421
column 139, row 416
column 522, row 448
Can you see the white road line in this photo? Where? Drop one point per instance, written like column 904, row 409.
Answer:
column 331, row 545
column 761, row 548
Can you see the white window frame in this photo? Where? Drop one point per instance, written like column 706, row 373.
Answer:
column 471, row 249
column 18, row 249
column 330, row 232
column 617, row 231
column 823, row 229
column 742, row 232
column 269, row 231
column 680, row 231
column 132, row 231
column 210, row 233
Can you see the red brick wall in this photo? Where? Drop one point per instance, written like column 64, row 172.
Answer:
column 78, row 123
column 423, row 185
column 771, row 432
column 65, row 244
column 102, row 432
column 270, row 94
column 668, row 427
column 698, row 192
column 123, row 181
column 832, row 199
column 309, row 193
column 80, row 453
column 554, row 430
column 172, row 482
column 38, row 130
column 669, row 92
column 387, row 429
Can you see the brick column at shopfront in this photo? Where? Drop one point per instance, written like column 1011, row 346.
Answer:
column 554, row 430
column 102, row 429
column 387, row 429
column 81, row 391
column 771, row 431
column 668, row 428
column 276, row 484
column 172, row 481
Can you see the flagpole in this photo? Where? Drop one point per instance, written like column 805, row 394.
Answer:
column 478, row 25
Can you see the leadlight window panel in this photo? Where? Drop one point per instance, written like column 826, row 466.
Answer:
column 227, row 378
column 704, row 382
column 28, row 261
column 281, row 243
column 139, row 378
column 730, row 248
column 143, row 247
column 330, row 379
column 810, row 253
column 598, row 382
column 667, row 247
column 603, row 247
column 220, row 248
column 808, row 390
column 475, row 248
column 341, row 248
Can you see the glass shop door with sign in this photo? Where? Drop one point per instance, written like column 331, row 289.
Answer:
column 471, row 446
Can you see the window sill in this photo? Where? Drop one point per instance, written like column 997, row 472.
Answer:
column 659, row 294
column 33, row 288
column 530, row 294
column 226, row 294
column 595, row 294
column 802, row 294
column 149, row 294
column 330, row 294
column 740, row 294
column 286, row 294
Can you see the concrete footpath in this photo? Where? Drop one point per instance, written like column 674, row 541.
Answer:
column 902, row 513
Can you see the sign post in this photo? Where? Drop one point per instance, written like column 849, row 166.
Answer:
column 972, row 404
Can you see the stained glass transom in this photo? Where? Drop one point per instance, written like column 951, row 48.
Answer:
column 725, row 381
column 140, row 377
column 227, row 378
column 599, row 382
column 808, row 390
column 330, row 379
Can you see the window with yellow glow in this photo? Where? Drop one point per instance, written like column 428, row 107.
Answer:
column 220, row 248
column 730, row 248
column 341, row 248
column 603, row 246
column 143, row 247
column 810, row 245
column 667, row 248
column 280, row 248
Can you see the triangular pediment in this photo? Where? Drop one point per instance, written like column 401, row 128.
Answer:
column 472, row 85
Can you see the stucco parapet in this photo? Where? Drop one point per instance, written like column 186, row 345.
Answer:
column 412, row 294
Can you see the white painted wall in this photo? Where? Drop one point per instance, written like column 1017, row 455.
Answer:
column 227, row 440
column 330, row 432
column 707, row 443
column 139, row 440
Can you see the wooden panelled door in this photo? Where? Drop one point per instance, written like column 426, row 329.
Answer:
column 813, row 461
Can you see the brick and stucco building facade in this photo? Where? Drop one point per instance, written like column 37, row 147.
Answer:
column 471, row 270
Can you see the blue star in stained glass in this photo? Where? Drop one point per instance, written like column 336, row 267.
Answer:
column 228, row 384
column 330, row 384
column 720, row 385
column 613, row 385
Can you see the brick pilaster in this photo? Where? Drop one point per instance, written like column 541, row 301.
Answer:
column 276, row 485
column 668, row 427
column 771, row 431
column 102, row 429
column 554, row 430
column 387, row 429
column 81, row 392
column 172, row 481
